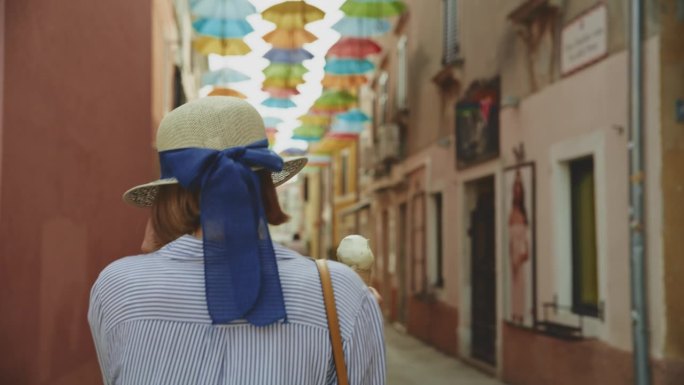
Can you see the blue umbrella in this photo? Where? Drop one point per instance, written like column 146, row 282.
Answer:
column 353, row 116
column 222, row 9
column 223, row 76
column 290, row 56
column 345, row 126
column 271, row 122
column 348, row 66
column 362, row 26
column 278, row 103
column 223, row 28
column 293, row 151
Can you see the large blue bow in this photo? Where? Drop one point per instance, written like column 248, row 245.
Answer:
column 241, row 274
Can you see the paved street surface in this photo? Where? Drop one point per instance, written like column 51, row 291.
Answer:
column 410, row 362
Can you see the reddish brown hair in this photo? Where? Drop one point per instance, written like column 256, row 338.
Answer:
column 176, row 211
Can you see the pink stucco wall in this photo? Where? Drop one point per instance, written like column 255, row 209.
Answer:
column 75, row 134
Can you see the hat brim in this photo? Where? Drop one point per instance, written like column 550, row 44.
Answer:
column 145, row 194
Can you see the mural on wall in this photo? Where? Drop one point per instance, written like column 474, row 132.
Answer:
column 519, row 245
column 477, row 124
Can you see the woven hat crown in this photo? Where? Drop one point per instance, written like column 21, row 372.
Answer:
column 216, row 122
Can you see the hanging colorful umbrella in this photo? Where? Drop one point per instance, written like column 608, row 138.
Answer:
column 225, row 47
column 343, row 82
column 342, row 126
column 271, row 121
column 282, row 82
column 222, row 91
column 341, row 135
column 335, row 100
column 281, row 70
column 354, row 47
column 292, row 14
column 222, row 9
column 281, row 92
column 223, row 76
column 354, row 115
column 291, row 56
column 362, row 27
column 374, row 9
column 274, row 102
column 308, row 132
column 271, row 134
column 289, row 39
column 314, row 120
column 223, row 28
column 348, row 66
column 292, row 151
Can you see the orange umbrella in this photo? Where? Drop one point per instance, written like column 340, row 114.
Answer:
column 292, row 14
column 222, row 91
column 289, row 39
column 206, row 45
column 343, row 81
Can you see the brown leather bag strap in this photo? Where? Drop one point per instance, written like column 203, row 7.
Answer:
column 333, row 322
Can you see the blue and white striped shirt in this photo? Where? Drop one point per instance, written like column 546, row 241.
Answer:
column 150, row 323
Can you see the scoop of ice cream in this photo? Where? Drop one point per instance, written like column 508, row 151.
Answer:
column 354, row 251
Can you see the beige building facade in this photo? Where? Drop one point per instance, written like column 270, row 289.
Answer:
column 498, row 170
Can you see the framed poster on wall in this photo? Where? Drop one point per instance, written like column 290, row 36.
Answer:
column 477, row 124
column 519, row 245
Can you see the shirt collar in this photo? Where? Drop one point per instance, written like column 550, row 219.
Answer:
column 188, row 247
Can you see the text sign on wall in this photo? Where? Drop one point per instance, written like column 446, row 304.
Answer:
column 584, row 40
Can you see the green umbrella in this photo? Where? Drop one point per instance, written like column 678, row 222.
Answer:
column 335, row 99
column 373, row 9
column 285, row 71
column 308, row 132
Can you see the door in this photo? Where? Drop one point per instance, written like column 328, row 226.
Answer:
column 483, row 273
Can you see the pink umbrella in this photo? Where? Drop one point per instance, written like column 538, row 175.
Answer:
column 354, row 47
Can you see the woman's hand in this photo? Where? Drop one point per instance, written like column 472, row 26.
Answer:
column 377, row 295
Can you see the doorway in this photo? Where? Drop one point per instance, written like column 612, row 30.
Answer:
column 482, row 234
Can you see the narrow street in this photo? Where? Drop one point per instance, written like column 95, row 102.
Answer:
column 410, row 362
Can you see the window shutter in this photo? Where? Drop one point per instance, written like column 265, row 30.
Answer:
column 451, row 46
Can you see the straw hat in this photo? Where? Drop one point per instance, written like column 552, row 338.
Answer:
column 218, row 123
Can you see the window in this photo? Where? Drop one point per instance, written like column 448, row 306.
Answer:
column 451, row 40
column 382, row 99
column 438, row 256
column 402, row 74
column 344, row 173
column 585, row 290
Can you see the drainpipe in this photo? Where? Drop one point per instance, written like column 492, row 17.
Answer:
column 642, row 370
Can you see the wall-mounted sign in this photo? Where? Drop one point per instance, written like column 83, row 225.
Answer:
column 584, row 40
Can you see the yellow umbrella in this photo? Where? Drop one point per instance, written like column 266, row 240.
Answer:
column 343, row 81
column 206, row 45
column 292, row 14
column 282, row 82
column 289, row 39
column 222, row 91
column 315, row 120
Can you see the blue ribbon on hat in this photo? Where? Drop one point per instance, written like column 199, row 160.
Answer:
column 240, row 270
